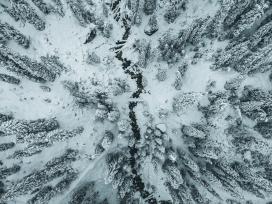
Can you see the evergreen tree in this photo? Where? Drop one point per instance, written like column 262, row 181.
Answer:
column 21, row 64
column 27, row 13
column 236, row 10
column 77, row 12
column 234, row 83
column 5, row 172
column 219, row 17
column 265, row 129
column 260, row 33
column 162, row 74
column 173, row 174
column 5, row 146
column 193, row 132
column 152, row 25
column 186, row 100
column 42, row 6
column 9, row 79
column 178, row 81
column 247, row 20
column 149, row 6
column 10, row 33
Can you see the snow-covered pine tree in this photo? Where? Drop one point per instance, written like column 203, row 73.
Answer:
column 45, row 8
column 9, row 79
column 264, row 128
column 259, row 34
column 173, row 174
column 234, row 83
column 247, row 20
column 22, row 64
column 218, row 19
column 178, row 81
column 92, row 58
column 236, row 10
column 254, row 61
column 149, row 6
column 77, row 12
column 152, row 25
column 27, row 13
column 11, row 33
column 162, row 74
column 5, row 146
column 186, row 100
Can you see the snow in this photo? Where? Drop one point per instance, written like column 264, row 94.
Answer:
column 65, row 37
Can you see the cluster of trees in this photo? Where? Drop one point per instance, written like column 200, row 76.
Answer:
column 11, row 33
column 146, row 53
column 219, row 101
column 86, row 17
column 48, row 136
column 15, row 126
column 53, row 169
column 84, row 97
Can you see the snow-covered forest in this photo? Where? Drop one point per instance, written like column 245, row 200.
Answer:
column 136, row 101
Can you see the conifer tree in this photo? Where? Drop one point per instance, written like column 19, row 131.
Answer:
column 27, row 13
column 10, row 33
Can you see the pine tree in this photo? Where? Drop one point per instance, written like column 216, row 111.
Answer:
column 188, row 162
column 42, row 6
column 173, row 174
column 236, row 10
column 186, row 100
column 5, row 172
column 78, row 195
column 264, row 128
column 149, row 6
column 107, row 139
column 32, row 126
column 92, row 58
column 5, row 146
column 21, row 64
column 234, row 83
column 193, row 132
column 162, row 74
column 171, row 14
column 247, row 20
column 178, row 81
column 77, row 12
column 260, row 33
column 183, row 67
column 152, row 25
column 9, row 79
column 219, row 17
column 10, row 33
column 26, row 12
